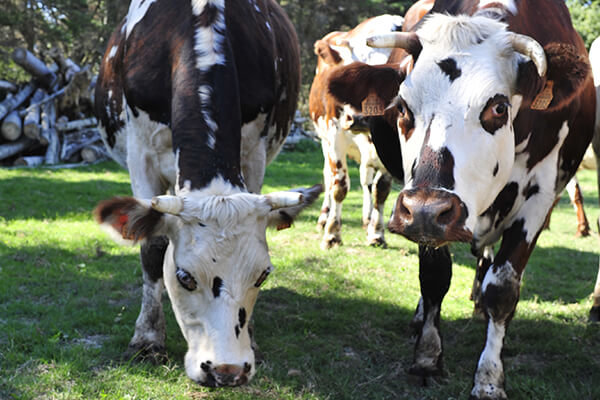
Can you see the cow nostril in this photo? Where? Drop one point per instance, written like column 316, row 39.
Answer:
column 405, row 207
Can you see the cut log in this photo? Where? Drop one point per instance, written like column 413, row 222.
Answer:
column 10, row 149
column 47, row 121
column 12, row 126
column 53, row 150
column 12, row 102
column 8, row 86
column 94, row 152
column 31, row 161
column 31, row 123
column 73, row 142
column 76, row 125
column 35, row 67
column 66, row 66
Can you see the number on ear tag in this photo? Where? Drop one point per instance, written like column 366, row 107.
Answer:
column 372, row 105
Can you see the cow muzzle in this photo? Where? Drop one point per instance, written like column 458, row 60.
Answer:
column 225, row 374
column 430, row 216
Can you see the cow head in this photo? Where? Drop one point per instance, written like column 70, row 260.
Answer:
column 215, row 263
column 456, row 111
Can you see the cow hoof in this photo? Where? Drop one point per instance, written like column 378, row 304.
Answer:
column 425, row 372
column 146, row 352
column 478, row 312
column 594, row 314
column 328, row 243
column 492, row 393
column 583, row 232
column 378, row 242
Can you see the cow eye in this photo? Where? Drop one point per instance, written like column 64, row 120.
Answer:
column 400, row 105
column 185, row 279
column 499, row 109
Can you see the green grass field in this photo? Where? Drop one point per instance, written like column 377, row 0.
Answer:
column 329, row 324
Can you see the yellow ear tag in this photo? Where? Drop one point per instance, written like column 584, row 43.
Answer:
column 372, row 105
column 544, row 98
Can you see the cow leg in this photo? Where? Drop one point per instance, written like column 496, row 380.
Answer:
column 148, row 340
column 150, row 330
column 484, row 260
column 583, row 227
column 367, row 174
column 595, row 311
column 435, row 272
column 500, row 294
column 326, row 207
column 338, row 189
column 253, row 160
column 381, row 190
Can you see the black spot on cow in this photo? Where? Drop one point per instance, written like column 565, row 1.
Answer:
column 449, row 67
column 503, row 203
column 237, row 331
column 201, row 224
column 217, row 284
column 413, row 166
column 205, row 366
column 496, row 168
column 242, row 317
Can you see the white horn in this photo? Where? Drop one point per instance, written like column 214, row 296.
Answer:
column 284, row 199
column 532, row 49
column 341, row 42
column 168, row 204
column 405, row 40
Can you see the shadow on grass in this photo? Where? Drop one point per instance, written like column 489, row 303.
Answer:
column 334, row 345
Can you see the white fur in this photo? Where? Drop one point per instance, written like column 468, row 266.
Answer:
column 112, row 52
column 137, row 11
column 490, row 371
column 508, row 4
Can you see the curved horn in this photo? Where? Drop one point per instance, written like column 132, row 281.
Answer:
column 532, row 49
column 406, row 40
column 284, row 199
column 168, row 204
column 341, row 42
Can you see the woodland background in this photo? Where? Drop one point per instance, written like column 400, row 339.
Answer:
column 81, row 27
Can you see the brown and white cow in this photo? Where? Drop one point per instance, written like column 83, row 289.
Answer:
column 343, row 133
column 195, row 97
column 495, row 116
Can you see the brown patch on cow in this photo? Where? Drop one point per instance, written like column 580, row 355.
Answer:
column 340, row 190
column 434, row 169
column 353, row 83
column 495, row 113
column 415, row 13
column 326, row 53
column 208, row 16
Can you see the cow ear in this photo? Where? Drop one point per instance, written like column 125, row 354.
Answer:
column 282, row 217
column 353, row 83
column 128, row 219
column 326, row 53
column 568, row 72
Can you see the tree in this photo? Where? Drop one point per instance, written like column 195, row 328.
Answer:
column 585, row 15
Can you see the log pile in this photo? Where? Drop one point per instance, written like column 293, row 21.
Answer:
column 48, row 120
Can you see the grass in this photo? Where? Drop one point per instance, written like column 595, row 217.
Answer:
column 330, row 324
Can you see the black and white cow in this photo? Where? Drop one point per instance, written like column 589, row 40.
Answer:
column 195, row 97
column 494, row 118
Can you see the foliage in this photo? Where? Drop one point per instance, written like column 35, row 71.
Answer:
column 585, row 15
column 329, row 324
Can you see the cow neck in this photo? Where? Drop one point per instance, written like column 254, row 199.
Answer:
column 206, row 121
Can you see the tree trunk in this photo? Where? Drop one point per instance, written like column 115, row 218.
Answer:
column 76, row 125
column 35, row 67
column 12, row 126
column 74, row 142
column 31, row 161
column 31, row 124
column 11, row 103
column 10, row 149
column 48, row 118
column 8, row 86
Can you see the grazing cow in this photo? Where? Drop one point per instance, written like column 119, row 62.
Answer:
column 195, row 98
column 344, row 134
column 495, row 116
